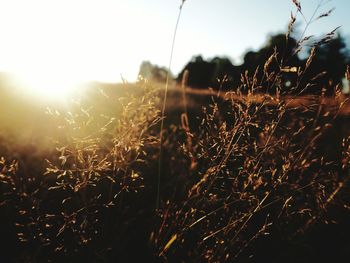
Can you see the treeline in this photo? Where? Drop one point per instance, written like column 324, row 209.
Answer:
column 325, row 72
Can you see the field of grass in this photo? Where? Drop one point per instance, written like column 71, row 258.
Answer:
column 243, row 177
column 109, row 175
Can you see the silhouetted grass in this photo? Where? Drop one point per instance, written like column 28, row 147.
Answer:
column 245, row 176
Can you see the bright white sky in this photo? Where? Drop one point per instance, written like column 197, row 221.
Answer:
column 75, row 40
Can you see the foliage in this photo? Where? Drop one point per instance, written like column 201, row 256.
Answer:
column 153, row 72
column 330, row 54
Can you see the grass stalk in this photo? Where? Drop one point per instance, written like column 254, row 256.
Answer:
column 164, row 106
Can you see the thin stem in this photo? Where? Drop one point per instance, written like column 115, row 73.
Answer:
column 164, row 107
column 309, row 22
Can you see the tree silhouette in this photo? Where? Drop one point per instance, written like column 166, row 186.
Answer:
column 284, row 50
column 153, row 72
column 330, row 57
column 200, row 72
column 219, row 72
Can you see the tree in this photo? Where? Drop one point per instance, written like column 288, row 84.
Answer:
column 204, row 74
column 331, row 58
column 153, row 72
column 200, row 72
column 219, row 72
column 285, row 57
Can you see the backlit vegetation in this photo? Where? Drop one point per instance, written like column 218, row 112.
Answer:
column 246, row 176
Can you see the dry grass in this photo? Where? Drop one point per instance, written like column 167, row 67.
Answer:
column 238, row 171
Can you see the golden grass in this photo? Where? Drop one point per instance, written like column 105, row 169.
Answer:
column 235, row 167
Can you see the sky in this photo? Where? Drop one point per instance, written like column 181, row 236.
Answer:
column 105, row 40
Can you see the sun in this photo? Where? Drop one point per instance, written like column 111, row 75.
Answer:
column 47, row 86
column 53, row 45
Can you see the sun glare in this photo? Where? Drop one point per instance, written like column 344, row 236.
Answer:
column 47, row 87
column 53, row 46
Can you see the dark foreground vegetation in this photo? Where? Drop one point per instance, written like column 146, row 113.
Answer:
column 259, row 173
column 244, row 178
